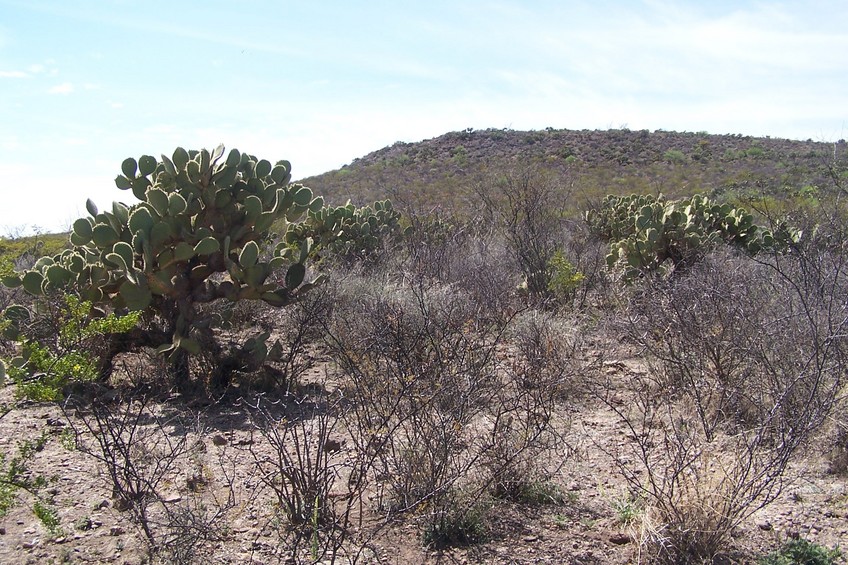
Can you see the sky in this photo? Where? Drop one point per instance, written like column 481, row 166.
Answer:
column 86, row 83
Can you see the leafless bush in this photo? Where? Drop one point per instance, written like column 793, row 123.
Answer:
column 526, row 206
column 434, row 401
column 747, row 360
column 419, row 369
column 141, row 446
column 541, row 369
column 464, row 255
column 546, row 351
column 137, row 449
column 696, row 490
column 837, row 452
column 432, row 247
column 741, row 340
column 315, row 483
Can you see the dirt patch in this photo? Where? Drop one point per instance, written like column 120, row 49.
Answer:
column 216, row 485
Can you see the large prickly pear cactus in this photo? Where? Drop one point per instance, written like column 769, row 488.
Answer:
column 196, row 235
column 648, row 234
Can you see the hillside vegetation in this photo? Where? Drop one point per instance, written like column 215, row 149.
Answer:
column 441, row 172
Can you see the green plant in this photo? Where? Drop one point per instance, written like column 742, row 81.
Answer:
column 626, row 506
column 539, row 492
column 196, row 236
column 27, row 248
column 455, row 525
column 67, row 439
column 649, row 234
column 47, row 364
column 802, row 552
column 459, row 156
column 627, row 509
column 347, row 231
column 564, row 278
column 674, row 156
column 15, row 474
column 48, row 516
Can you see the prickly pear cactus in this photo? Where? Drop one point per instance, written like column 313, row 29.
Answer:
column 197, row 234
column 347, row 230
column 649, row 234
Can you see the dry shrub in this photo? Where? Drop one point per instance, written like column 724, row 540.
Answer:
column 743, row 342
column 696, row 491
column 836, row 442
column 434, row 400
column 418, row 372
column 747, row 360
column 299, row 458
column 141, row 447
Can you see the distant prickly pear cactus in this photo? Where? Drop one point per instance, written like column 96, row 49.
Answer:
column 648, row 234
column 348, row 231
column 198, row 234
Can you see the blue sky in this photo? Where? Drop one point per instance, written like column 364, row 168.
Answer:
column 87, row 83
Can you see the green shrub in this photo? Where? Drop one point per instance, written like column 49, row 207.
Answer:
column 455, row 525
column 674, row 156
column 46, row 364
column 802, row 552
column 32, row 247
column 564, row 278
column 15, row 474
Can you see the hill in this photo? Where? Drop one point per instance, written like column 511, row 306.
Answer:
column 440, row 172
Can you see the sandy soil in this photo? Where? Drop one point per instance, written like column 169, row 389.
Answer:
column 586, row 527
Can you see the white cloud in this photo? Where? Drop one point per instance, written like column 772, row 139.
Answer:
column 13, row 74
column 64, row 88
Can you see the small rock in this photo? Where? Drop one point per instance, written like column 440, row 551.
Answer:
column 60, row 540
column 765, row 526
column 53, row 490
column 332, row 445
column 30, row 544
column 171, row 498
column 103, row 504
column 619, row 539
column 530, row 538
column 55, row 422
column 116, row 531
column 219, row 440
